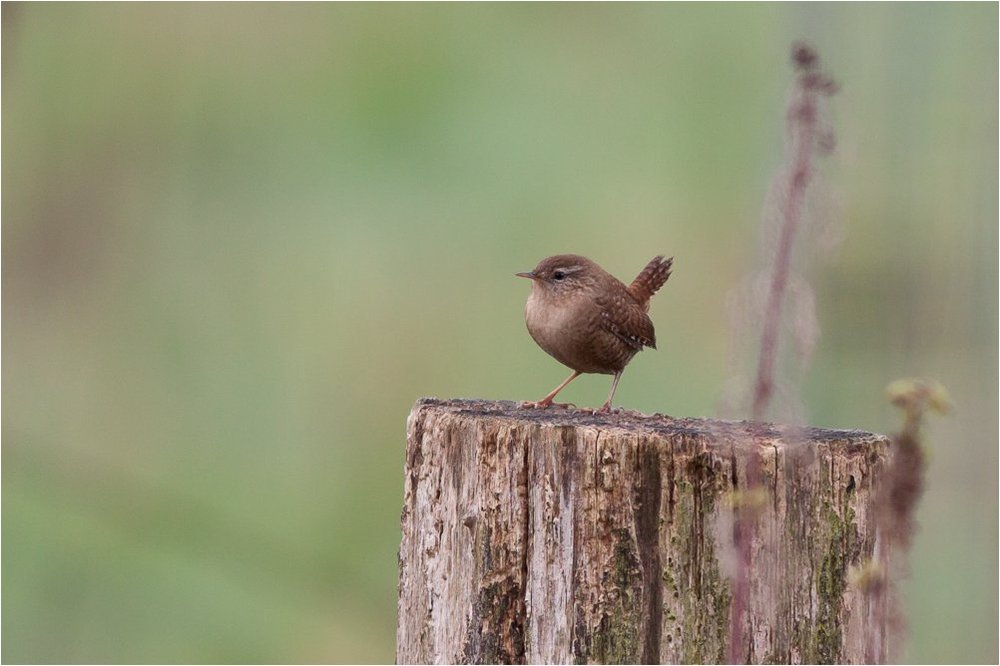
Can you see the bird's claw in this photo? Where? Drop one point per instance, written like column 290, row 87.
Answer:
column 542, row 404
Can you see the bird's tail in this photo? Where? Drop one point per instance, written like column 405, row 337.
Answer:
column 650, row 279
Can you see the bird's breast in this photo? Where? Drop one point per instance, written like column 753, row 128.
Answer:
column 550, row 323
column 568, row 329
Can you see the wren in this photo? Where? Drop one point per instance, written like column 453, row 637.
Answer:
column 587, row 319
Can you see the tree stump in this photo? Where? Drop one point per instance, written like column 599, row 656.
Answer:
column 560, row 536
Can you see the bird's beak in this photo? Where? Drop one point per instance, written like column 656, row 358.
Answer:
column 530, row 275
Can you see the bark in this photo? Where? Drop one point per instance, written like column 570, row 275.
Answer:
column 559, row 536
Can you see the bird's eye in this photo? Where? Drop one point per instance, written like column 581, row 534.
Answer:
column 558, row 275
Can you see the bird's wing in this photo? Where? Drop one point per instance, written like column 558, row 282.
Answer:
column 625, row 319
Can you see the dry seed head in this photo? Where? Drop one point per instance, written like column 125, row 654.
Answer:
column 916, row 396
column 869, row 576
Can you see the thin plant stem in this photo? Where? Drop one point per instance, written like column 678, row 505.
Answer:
column 803, row 119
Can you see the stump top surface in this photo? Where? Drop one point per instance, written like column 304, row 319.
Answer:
column 633, row 422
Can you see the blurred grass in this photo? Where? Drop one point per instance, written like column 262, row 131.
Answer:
column 240, row 241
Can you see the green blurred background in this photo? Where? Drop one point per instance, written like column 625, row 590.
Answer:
column 239, row 241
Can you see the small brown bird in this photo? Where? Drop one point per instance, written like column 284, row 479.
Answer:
column 589, row 320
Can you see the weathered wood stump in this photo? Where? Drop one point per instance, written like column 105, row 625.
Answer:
column 560, row 536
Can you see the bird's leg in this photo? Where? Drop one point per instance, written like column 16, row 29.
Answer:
column 614, row 385
column 547, row 400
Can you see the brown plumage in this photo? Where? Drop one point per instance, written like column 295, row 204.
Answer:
column 589, row 320
column 649, row 281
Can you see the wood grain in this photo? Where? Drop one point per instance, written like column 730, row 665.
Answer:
column 559, row 536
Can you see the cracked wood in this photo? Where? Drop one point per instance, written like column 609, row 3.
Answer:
column 560, row 536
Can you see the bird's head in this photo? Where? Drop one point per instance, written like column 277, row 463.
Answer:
column 563, row 274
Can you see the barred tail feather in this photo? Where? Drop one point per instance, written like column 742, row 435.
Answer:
column 650, row 279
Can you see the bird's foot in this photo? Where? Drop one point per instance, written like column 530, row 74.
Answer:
column 545, row 404
column 594, row 411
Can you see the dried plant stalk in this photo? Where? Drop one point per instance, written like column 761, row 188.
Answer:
column 807, row 137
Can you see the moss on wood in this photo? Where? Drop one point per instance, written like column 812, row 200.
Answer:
column 609, row 537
